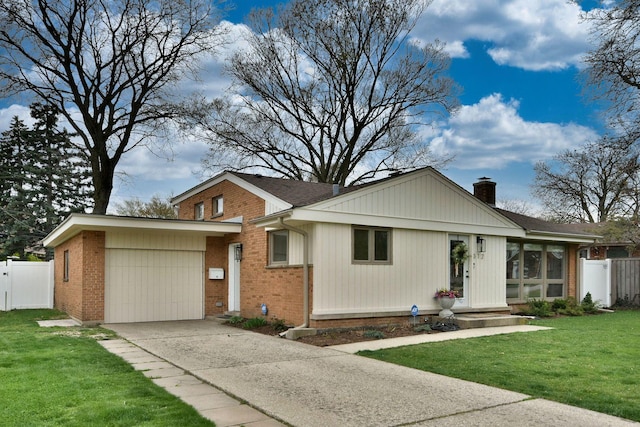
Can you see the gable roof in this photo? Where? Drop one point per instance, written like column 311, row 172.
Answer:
column 288, row 194
column 297, row 193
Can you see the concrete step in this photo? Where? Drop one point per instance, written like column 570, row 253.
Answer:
column 487, row 320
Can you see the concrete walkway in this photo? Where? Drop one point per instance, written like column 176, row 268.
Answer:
column 217, row 368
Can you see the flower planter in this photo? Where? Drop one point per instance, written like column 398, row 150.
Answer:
column 446, row 303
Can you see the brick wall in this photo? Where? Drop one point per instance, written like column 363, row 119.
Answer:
column 572, row 267
column 94, row 276
column 82, row 295
column 279, row 288
column 68, row 294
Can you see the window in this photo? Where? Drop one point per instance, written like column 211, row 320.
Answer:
column 65, row 274
column 199, row 211
column 543, row 271
column 217, row 206
column 279, row 247
column 371, row 245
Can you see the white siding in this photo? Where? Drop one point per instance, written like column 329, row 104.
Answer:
column 155, row 240
column 296, row 242
column 419, row 268
column 425, row 196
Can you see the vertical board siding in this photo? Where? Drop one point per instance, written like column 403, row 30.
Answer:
column 154, row 240
column 419, row 197
column 419, row 268
column 296, row 246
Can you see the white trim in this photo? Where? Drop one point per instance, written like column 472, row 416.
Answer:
column 228, row 176
column 75, row 223
column 304, row 215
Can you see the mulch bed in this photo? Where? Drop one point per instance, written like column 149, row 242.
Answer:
column 347, row 336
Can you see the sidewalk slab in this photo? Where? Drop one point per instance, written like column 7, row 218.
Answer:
column 425, row 338
column 534, row 412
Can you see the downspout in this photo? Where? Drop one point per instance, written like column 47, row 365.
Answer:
column 305, row 269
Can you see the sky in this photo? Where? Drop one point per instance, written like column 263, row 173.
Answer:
column 518, row 63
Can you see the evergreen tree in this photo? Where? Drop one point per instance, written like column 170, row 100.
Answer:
column 13, row 143
column 44, row 181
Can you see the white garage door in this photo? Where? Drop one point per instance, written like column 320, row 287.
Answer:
column 143, row 285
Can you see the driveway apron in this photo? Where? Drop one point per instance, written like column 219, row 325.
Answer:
column 304, row 385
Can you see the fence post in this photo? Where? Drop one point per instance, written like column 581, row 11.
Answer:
column 4, row 285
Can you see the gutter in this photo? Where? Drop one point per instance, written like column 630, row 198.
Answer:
column 305, row 268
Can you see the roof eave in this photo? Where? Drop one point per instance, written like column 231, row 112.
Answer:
column 76, row 223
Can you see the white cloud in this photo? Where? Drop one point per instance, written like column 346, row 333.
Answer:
column 533, row 35
column 492, row 135
column 15, row 110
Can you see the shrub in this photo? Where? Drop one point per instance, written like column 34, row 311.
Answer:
column 559, row 304
column 539, row 308
column 279, row 324
column 373, row 334
column 588, row 305
column 568, row 307
column 254, row 323
column 235, row 320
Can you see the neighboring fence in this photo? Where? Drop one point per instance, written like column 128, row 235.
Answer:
column 595, row 278
column 26, row 284
column 625, row 280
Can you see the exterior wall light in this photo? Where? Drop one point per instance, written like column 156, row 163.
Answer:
column 238, row 252
column 481, row 244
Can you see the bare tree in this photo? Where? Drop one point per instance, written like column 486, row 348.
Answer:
column 109, row 67
column 613, row 66
column 589, row 185
column 157, row 207
column 332, row 91
column 519, row 206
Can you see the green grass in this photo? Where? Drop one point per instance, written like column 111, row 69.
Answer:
column 63, row 377
column 592, row 362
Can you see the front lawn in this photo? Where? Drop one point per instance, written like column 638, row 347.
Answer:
column 63, row 377
column 590, row 361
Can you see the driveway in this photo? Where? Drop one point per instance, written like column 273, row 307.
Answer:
column 303, row 385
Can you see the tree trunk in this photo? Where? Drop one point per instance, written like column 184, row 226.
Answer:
column 102, row 177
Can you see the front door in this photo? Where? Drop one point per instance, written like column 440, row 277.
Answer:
column 234, row 278
column 459, row 267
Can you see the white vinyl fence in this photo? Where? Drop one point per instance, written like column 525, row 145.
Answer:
column 25, row 284
column 595, row 278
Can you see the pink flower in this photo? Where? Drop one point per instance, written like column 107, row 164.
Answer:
column 449, row 293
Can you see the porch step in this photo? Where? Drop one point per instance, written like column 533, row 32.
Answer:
column 488, row 320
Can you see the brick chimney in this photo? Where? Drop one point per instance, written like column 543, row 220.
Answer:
column 485, row 190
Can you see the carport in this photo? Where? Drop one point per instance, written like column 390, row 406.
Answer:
column 123, row 269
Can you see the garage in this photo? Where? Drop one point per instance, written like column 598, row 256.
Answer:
column 153, row 277
column 151, row 285
column 113, row 269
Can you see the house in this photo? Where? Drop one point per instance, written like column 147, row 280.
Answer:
column 312, row 254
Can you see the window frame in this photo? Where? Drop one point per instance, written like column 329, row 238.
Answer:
column 217, row 206
column 198, row 211
column 371, row 245
column 272, row 252
column 65, row 266
column 544, row 282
